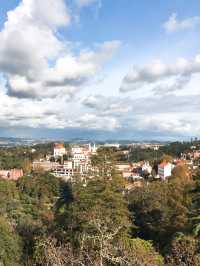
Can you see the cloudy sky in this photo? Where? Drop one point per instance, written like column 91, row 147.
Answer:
column 100, row 68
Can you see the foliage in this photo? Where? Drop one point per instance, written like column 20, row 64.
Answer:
column 10, row 245
column 173, row 149
column 184, row 251
column 160, row 210
column 45, row 221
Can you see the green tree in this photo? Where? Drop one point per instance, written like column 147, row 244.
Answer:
column 10, row 204
column 10, row 245
column 104, row 162
column 160, row 209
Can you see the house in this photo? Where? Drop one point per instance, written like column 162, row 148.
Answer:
column 165, row 170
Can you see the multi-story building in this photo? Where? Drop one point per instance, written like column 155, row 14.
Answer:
column 81, row 157
column 63, row 172
column 164, row 170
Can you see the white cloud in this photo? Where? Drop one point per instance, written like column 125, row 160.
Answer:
column 42, row 73
column 167, row 114
column 175, row 25
column 36, row 62
column 51, row 113
column 105, row 106
column 179, row 125
column 158, row 71
column 94, row 121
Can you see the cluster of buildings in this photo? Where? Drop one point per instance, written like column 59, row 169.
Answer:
column 134, row 171
column 67, row 163
column 78, row 161
column 140, row 170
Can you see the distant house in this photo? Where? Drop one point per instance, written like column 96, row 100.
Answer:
column 13, row 174
column 164, row 170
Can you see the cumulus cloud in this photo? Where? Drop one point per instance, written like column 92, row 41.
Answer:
column 168, row 114
column 16, row 112
column 38, row 64
column 35, row 61
column 158, row 71
column 175, row 25
column 179, row 125
column 94, row 121
column 41, row 72
column 105, row 106
column 50, row 114
column 169, row 88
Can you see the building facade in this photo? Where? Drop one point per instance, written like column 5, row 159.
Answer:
column 164, row 170
column 59, row 150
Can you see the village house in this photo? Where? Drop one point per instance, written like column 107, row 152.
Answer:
column 165, row 170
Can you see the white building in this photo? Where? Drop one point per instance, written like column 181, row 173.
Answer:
column 77, row 150
column 164, row 170
column 79, row 156
column 59, row 150
column 63, row 172
column 68, row 164
column 146, row 167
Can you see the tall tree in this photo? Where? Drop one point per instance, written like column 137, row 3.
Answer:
column 10, row 245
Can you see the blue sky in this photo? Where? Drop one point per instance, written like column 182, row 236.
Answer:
column 127, row 69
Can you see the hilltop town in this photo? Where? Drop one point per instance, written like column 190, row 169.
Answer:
column 137, row 163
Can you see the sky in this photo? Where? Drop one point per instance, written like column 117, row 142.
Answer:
column 99, row 69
